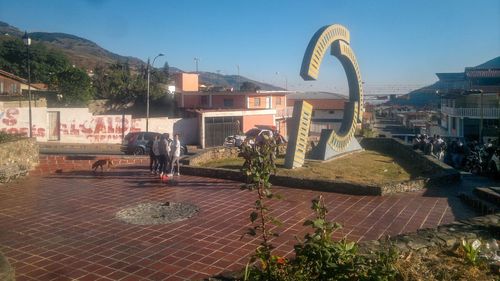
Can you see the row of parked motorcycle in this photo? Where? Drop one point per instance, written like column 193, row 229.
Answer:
column 475, row 158
column 480, row 159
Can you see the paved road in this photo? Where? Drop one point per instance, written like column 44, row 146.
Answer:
column 63, row 226
column 388, row 127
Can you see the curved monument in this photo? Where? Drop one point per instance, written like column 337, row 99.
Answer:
column 331, row 143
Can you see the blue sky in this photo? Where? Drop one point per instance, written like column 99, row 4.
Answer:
column 398, row 44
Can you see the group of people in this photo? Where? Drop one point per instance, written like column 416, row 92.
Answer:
column 431, row 145
column 455, row 152
column 164, row 154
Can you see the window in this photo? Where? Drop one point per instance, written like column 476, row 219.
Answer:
column 14, row 88
column 278, row 100
column 256, row 101
column 204, row 100
column 331, row 111
column 1, row 87
column 228, row 102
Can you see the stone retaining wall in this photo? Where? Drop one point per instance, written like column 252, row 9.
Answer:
column 17, row 158
column 446, row 237
column 219, row 153
column 212, row 154
column 434, row 170
column 311, row 184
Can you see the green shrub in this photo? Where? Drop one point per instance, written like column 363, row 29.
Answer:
column 4, row 137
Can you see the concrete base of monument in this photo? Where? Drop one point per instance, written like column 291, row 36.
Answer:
column 324, row 152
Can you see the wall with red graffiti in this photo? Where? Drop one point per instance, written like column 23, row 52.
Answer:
column 78, row 125
column 15, row 120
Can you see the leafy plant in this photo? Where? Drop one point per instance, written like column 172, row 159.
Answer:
column 320, row 257
column 5, row 137
column 259, row 164
column 471, row 251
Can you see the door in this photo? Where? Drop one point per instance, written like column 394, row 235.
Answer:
column 54, row 126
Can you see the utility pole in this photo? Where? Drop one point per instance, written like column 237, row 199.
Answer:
column 238, row 78
column 196, row 60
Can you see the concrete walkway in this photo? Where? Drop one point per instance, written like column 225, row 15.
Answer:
column 62, row 226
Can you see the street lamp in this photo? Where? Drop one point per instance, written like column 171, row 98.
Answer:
column 147, row 99
column 27, row 42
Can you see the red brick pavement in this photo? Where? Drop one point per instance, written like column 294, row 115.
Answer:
column 62, row 226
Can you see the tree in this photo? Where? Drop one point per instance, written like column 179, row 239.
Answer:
column 75, row 86
column 44, row 62
column 249, row 86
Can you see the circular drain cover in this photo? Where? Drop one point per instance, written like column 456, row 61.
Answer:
column 157, row 213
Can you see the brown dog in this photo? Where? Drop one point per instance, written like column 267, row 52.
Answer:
column 101, row 163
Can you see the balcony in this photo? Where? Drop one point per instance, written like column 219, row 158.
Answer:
column 474, row 112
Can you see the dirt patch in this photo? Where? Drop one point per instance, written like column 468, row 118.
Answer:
column 157, row 213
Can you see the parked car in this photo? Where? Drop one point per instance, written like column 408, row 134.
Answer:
column 255, row 133
column 136, row 143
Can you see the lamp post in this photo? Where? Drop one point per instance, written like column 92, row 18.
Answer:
column 147, row 99
column 27, row 42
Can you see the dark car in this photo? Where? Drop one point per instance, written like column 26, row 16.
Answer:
column 137, row 143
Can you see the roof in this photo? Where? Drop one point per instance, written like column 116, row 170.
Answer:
column 40, row 86
column 234, row 93
column 491, row 64
column 454, row 76
column 12, row 76
column 316, row 96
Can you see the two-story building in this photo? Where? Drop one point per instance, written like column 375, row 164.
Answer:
column 328, row 109
column 470, row 101
column 222, row 114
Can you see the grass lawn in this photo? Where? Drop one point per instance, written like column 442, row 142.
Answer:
column 364, row 167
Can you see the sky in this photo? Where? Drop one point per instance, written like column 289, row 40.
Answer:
column 399, row 45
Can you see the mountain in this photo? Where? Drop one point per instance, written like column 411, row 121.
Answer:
column 80, row 51
column 232, row 81
column 427, row 96
column 87, row 54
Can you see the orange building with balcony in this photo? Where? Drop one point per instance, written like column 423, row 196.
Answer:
column 222, row 114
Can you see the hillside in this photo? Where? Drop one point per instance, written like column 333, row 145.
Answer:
column 87, row 54
column 80, row 51
column 232, row 81
column 427, row 96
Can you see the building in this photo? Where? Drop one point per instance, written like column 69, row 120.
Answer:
column 328, row 109
column 470, row 101
column 225, row 113
column 13, row 85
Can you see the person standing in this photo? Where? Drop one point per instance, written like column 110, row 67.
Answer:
column 156, row 154
column 163, row 154
column 168, row 160
column 176, row 154
column 149, row 146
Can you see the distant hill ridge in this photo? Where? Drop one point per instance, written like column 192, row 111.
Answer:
column 88, row 55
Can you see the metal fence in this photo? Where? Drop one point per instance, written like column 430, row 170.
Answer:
column 218, row 128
